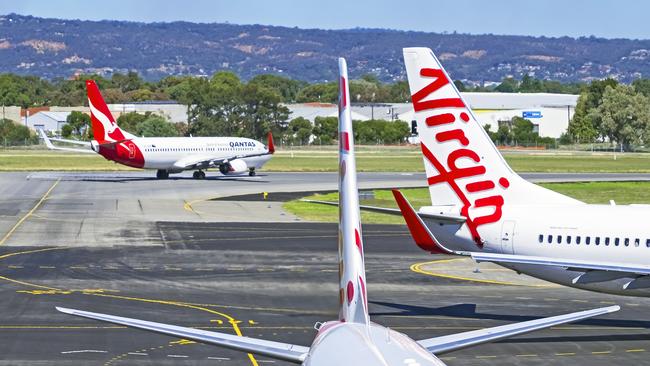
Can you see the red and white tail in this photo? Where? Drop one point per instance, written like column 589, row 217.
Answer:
column 104, row 127
column 464, row 169
column 352, row 291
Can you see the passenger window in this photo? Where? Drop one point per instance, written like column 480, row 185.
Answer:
column 607, row 241
column 568, row 239
column 587, row 240
column 559, row 239
column 550, row 240
column 627, row 242
column 577, row 239
column 617, row 241
column 541, row 238
column 647, row 243
column 637, row 241
column 598, row 240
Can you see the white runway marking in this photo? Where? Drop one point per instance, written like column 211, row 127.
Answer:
column 84, row 351
column 138, row 354
column 219, row 358
column 178, row 356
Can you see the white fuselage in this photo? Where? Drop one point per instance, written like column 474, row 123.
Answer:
column 171, row 153
column 596, row 233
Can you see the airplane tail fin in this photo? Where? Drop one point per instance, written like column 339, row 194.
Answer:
column 464, row 169
column 104, row 127
column 352, row 291
column 270, row 144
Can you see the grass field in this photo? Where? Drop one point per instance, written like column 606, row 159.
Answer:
column 391, row 159
column 593, row 192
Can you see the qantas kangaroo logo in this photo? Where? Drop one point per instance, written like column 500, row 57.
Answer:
column 451, row 127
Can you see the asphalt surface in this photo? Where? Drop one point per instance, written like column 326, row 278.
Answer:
column 128, row 245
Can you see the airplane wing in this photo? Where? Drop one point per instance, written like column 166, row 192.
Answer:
column 49, row 145
column 394, row 211
column 455, row 342
column 282, row 351
column 592, row 271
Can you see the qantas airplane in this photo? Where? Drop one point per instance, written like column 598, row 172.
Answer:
column 352, row 339
column 481, row 208
column 231, row 155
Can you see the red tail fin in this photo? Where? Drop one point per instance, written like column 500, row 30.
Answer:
column 104, row 127
column 270, row 143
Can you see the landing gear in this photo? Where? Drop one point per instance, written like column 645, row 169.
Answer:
column 251, row 172
column 199, row 174
column 162, row 174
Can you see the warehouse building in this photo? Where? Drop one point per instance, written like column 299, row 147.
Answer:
column 549, row 113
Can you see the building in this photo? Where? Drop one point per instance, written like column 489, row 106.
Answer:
column 47, row 120
column 549, row 113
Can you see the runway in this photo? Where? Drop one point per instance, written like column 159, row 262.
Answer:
column 128, row 245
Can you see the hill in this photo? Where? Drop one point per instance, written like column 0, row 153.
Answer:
column 53, row 48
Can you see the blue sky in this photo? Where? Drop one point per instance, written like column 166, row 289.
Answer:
column 602, row 18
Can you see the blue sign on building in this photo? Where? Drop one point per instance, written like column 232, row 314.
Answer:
column 531, row 114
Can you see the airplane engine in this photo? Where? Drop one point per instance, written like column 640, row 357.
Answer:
column 233, row 167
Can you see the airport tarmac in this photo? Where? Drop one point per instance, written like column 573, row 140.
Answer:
column 125, row 244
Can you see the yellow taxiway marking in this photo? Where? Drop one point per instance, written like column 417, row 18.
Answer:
column 635, row 350
column 417, row 268
column 233, row 322
column 601, row 353
column 28, row 214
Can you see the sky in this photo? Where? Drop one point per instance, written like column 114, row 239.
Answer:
column 551, row 18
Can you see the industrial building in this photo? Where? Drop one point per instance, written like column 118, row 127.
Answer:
column 549, row 113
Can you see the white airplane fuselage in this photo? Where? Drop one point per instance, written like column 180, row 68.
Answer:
column 175, row 153
column 597, row 233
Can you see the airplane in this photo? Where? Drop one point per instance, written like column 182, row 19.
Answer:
column 352, row 339
column 168, row 155
column 481, row 208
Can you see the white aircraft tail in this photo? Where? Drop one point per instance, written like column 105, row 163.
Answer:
column 464, row 169
column 352, row 277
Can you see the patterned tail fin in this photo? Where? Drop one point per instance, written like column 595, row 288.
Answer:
column 465, row 171
column 104, row 127
column 353, row 297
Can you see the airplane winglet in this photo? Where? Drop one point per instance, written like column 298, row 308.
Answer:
column 419, row 230
column 270, row 144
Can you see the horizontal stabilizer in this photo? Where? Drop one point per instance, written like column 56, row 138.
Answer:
column 394, row 211
column 280, row 351
column 458, row 341
column 49, row 145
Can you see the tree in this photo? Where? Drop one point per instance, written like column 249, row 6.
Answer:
column 287, row 88
column 78, row 122
column 523, row 130
column 66, row 131
column 156, row 126
column 300, row 130
column 130, row 121
column 582, row 126
column 623, row 116
column 12, row 133
column 460, row 86
column 508, row 85
column 325, row 130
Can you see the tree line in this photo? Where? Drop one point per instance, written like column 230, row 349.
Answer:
column 32, row 91
column 608, row 111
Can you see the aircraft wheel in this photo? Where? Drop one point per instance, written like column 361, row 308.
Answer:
column 195, row 175
column 251, row 173
column 201, row 174
column 162, row 174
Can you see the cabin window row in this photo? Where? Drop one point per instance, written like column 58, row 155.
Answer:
column 588, row 240
column 194, row 149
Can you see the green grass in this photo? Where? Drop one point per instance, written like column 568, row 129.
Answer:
column 593, row 192
column 369, row 158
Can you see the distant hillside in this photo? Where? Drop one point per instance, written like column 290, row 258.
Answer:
column 60, row 48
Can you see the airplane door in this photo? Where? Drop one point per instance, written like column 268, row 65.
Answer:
column 507, row 237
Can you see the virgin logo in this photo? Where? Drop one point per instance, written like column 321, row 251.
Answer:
column 450, row 128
